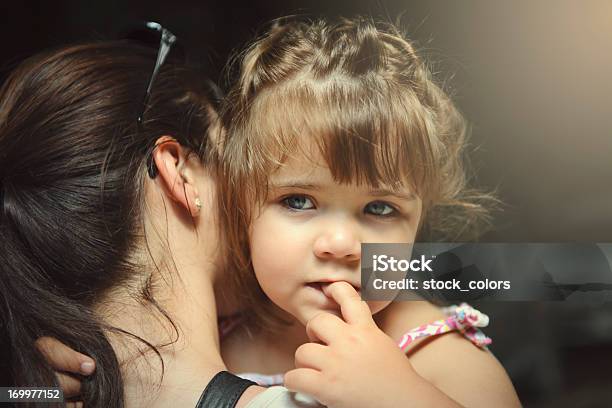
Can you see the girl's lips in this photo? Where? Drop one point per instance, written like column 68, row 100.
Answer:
column 320, row 285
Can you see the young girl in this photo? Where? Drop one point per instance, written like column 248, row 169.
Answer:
column 337, row 136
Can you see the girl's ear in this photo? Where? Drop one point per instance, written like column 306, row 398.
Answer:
column 171, row 161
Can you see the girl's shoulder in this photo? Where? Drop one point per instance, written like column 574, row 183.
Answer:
column 399, row 317
column 414, row 322
column 461, row 367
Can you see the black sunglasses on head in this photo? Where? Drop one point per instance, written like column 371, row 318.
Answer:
column 156, row 36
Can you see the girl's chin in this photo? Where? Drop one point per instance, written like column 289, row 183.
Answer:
column 317, row 302
column 311, row 312
column 306, row 315
column 315, row 297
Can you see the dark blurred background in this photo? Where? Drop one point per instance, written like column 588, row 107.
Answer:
column 533, row 79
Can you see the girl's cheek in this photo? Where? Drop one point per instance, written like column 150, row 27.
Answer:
column 404, row 232
column 272, row 245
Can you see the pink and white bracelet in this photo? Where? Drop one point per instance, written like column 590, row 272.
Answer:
column 463, row 318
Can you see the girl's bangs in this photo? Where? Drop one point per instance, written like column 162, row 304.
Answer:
column 364, row 135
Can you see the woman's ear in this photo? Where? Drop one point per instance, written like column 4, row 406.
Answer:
column 171, row 160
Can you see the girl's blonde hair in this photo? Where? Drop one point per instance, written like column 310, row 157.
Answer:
column 359, row 94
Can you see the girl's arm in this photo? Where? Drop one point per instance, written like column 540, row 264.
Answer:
column 357, row 365
column 470, row 375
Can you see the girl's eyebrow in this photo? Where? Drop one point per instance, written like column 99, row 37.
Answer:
column 404, row 196
column 375, row 193
column 291, row 184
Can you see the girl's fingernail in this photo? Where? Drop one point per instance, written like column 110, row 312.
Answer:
column 87, row 367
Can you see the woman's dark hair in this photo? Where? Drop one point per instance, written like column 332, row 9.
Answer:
column 72, row 168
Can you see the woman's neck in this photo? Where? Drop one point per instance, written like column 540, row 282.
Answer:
column 189, row 346
column 251, row 349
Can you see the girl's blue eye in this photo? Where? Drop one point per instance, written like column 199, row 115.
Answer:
column 298, row 202
column 380, row 209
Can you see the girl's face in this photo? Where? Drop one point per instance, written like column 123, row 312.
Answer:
column 308, row 233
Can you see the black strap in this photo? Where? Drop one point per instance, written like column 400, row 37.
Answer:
column 223, row 391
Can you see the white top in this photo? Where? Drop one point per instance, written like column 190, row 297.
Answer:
column 281, row 397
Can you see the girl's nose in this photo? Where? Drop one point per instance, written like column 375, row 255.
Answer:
column 340, row 242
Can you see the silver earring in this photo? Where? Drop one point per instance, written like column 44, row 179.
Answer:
column 198, row 203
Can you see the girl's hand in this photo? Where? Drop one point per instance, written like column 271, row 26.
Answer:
column 66, row 361
column 357, row 365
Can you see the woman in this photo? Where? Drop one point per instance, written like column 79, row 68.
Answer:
column 109, row 227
